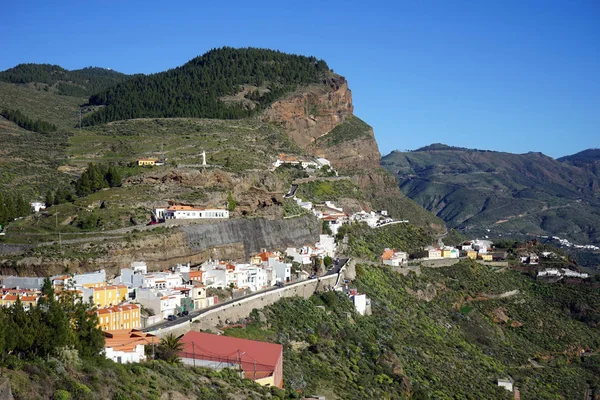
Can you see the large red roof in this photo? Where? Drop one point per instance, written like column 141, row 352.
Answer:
column 256, row 356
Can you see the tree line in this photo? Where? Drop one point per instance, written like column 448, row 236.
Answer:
column 12, row 206
column 96, row 177
column 195, row 88
column 25, row 122
column 52, row 326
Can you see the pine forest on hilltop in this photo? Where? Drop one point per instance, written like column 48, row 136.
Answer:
column 196, row 89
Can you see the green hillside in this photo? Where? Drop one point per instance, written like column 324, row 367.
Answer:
column 62, row 111
column 516, row 194
column 75, row 83
column 439, row 335
column 223, row 83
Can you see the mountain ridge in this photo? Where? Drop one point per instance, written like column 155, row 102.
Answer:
column 505, row 193
column 78, row 82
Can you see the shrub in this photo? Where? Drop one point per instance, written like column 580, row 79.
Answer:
column 62, row 394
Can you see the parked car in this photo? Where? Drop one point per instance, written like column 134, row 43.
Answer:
column 313, row 276
column 185, row 312
column 279, row 284
column 172, row 317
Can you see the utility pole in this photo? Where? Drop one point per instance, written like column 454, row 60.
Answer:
column 194, row 353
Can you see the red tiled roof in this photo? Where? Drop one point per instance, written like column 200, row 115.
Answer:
column 127, row 339
column 256, row 356
column 388, row 254
column 125, row 307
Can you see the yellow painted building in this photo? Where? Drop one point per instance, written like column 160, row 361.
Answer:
column 119, row 317
column 145, row 162
column 486, row 257
column 107, row 296
column 28, row 300
column 472, row 254
column 93, row 285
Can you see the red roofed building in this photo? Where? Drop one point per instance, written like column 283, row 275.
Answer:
column 260, row 361
column 127, row 345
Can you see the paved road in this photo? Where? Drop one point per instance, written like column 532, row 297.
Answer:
column 337, row 266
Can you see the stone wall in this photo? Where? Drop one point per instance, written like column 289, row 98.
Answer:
column 254, row 234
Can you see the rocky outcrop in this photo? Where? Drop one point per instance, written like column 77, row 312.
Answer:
column 5, row 389
column 361, row 152
column 314, row 111
column 254, row 234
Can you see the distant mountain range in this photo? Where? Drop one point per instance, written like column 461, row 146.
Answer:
column 494, row 193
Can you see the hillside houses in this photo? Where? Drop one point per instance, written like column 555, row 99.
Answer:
column 560, row 273
column 304, row 255
column 393, row 257
column 138, row 297
column 314, row 163
column 189, row 212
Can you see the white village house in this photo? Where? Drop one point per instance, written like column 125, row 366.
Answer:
column 189, row 212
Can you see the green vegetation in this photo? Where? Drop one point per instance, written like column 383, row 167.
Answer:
column 96, row 177
column 454, row 238
column 291, row 172
column 322, row 190
column 12, row 206
column 368, row 243
column 454, row 344
column 77, row 83
column 62, row 111
column 49, row 328
column 292, row 209
column 231, row 203
column 24, row 122
column 169, row 348
column 100, row 379
column 353, row 128
column 196, row 89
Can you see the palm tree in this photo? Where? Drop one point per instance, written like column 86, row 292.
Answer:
column 169, row 348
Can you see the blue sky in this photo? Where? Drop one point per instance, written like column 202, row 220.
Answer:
column 513, row 76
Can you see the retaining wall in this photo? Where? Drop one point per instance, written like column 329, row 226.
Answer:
column 240, row 309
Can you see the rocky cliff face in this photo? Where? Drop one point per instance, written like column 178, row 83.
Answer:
column 228, row 240
column 349, row 145
column 320, row 119
column 312, row 113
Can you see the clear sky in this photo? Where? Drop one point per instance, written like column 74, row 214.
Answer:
column 505, row 75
